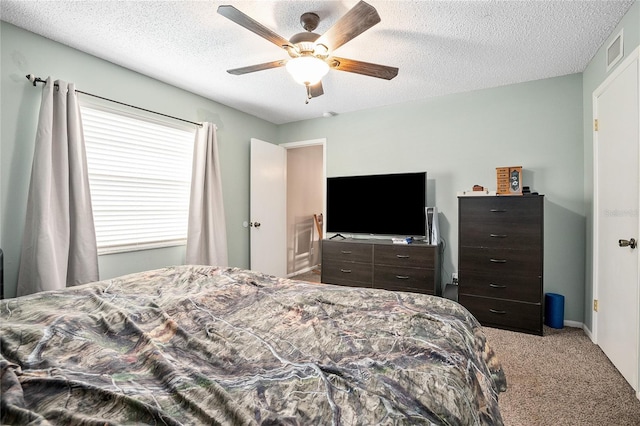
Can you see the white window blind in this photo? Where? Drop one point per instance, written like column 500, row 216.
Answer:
column 140, row 176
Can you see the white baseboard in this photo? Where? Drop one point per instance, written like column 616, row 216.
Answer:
column 303, row 271
column 578, row 324
column 588, row 332
column 574, row 324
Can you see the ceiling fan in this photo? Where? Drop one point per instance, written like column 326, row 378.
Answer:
column 311, row 54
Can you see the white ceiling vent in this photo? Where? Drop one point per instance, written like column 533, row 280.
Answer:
column 615, row 50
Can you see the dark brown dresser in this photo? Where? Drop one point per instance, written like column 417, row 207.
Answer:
column 381, row 264
column 500, row 260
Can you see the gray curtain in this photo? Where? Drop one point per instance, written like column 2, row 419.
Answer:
column 59, row 241
column 207, row 232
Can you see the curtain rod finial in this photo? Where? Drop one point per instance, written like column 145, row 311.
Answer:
column 33, row 79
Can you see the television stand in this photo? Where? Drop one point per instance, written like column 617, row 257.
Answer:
column 338, row 235
column 382, row 264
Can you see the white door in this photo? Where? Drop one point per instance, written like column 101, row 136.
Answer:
column 268, row 203
column 616, row 186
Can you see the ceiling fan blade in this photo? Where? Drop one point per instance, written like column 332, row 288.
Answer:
column 360, row 18
column 257, row 67
column 316, row 90
column 252, row 25
column 364, row 68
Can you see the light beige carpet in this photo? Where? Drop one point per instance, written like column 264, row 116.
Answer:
column 561, row 378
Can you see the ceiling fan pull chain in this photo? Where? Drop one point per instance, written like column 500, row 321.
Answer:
column 308, row 86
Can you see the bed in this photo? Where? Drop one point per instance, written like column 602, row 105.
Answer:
column 205, row 345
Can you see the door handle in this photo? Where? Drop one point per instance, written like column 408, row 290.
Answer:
column 255, row 224
column 628, row 243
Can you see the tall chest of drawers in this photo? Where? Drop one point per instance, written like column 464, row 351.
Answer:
column 500, row 260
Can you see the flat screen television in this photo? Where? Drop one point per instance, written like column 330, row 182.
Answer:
column 386, row 204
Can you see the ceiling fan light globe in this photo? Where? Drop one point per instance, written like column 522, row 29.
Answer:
column 307, row 70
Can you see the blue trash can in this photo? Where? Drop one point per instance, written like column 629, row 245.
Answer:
column 554, row 310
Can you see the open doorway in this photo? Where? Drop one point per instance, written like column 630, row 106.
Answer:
column 305, row 206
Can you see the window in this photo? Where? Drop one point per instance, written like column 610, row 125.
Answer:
column 140, row 177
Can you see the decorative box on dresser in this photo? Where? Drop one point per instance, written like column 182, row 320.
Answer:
column 500, row 260
column 381, row 264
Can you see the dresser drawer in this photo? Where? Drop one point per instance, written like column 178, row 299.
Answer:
column 381, row 264
column 404, row 279
column 507, row 314
column 347, row 252
column 525, row 288
column 414, row 256
column 500, row 210
column 347, row 273
column 500, row 235
column 501, row 261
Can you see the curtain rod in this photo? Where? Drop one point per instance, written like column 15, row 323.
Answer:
column 35, row 80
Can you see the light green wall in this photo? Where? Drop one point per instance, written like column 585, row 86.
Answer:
column 460, row 140
column 545, row 126
column 593, row 76
column 22, row 53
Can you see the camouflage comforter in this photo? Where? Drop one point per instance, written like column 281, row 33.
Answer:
column 206, row 345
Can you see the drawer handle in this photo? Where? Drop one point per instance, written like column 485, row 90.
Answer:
column 402, row 256
column 498, row 235
column 498, row 211
column 345, row 271
column 494, row 311
column 402, row 277
column 345, row 252
column 492, row 285
column 498, row 260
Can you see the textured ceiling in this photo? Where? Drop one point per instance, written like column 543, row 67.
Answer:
column 441, row 47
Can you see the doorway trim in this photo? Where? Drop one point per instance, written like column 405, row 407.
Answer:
column 315, row 142
column 633, row 56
